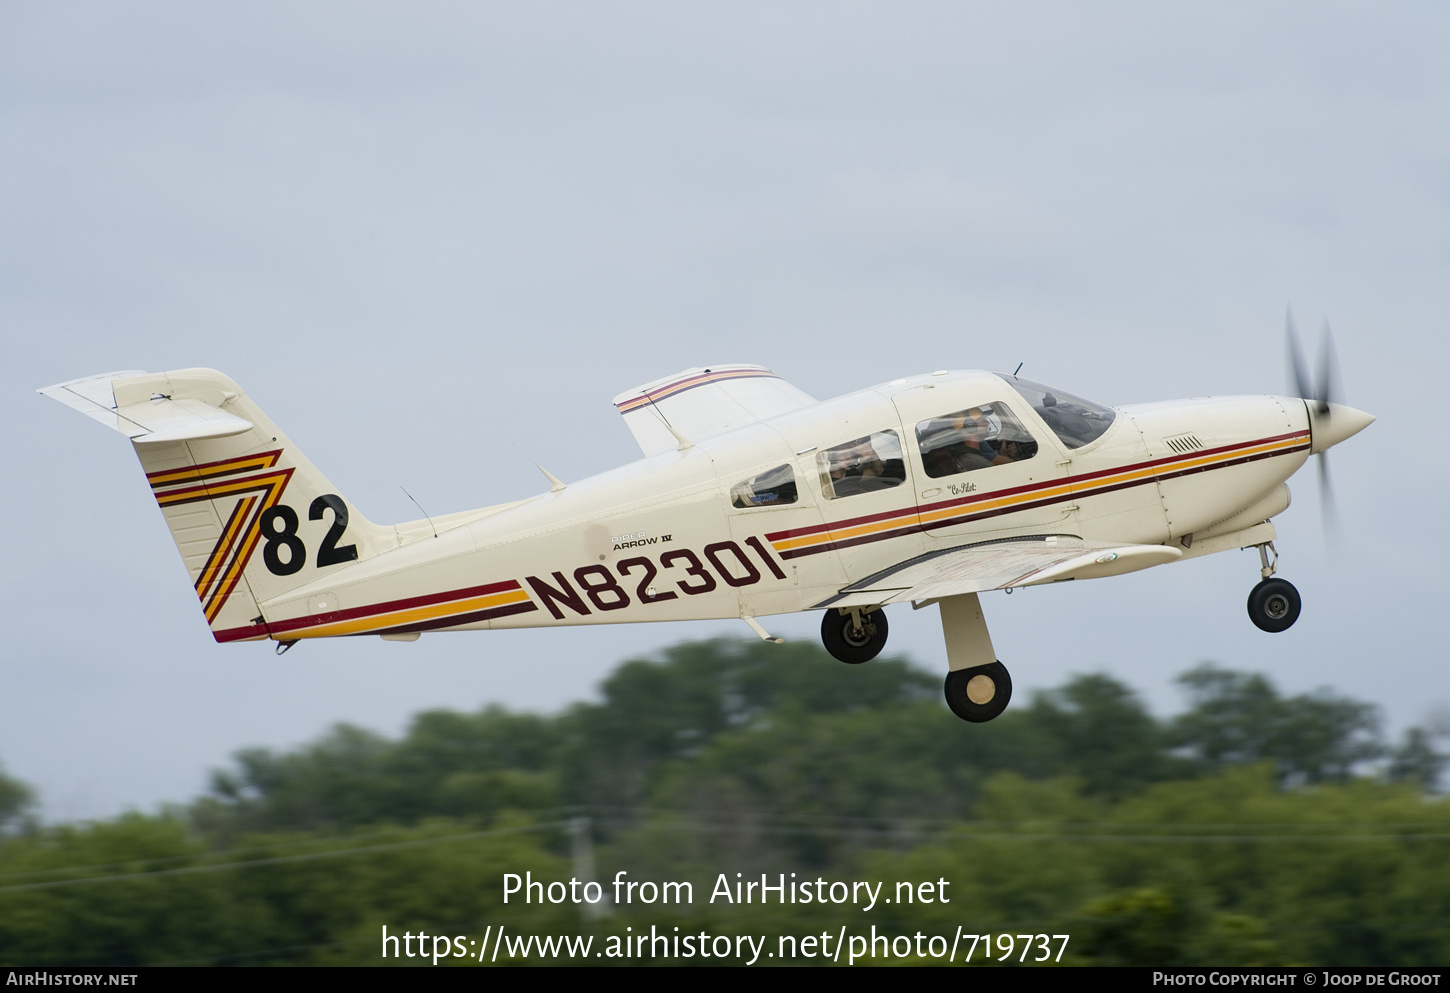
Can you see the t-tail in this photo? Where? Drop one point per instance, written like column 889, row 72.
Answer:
column 251, row 516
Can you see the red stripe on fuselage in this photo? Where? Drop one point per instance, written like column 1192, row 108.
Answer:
column 1075, row 482
column 454, row 620
column 408, row 603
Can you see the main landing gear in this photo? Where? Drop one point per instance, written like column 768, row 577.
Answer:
column 978, row 687
column 852, row 636
column 980, row 693
column 1274, row 603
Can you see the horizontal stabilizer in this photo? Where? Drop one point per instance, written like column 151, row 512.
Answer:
column 92, row 396
column 700, row 403
column 152, row 421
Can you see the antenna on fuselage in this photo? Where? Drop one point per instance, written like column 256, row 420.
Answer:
column 685, row 443
column 1018, row 369
column 421, row 510
column 555, row 483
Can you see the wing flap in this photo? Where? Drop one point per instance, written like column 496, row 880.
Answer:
column 703, row 402
column 1001, row 564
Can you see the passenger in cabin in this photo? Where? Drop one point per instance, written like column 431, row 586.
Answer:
column 858, row 467
column 861, row 461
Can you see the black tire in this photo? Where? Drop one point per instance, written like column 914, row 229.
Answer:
column 854, row 647
column 961, row 688
column 1274, row 605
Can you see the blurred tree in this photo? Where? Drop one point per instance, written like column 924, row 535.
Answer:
column 1069, row 814
column 670, row 709
column 751, row 727
column 16, row 800
column 1238, row 718
column 335, row 781
column 1417, row 761
column 144, row 891
column 448, row 764
column 1099, row 731
column 1151, row 926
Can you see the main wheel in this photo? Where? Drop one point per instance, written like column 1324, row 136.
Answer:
column 851, row 644
column 1274, row 605
column 980, row 693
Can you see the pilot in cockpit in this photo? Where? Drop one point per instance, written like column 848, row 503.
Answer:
column 972, row 449
column 971, row 439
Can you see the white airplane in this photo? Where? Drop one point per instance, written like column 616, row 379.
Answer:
column 752, row 499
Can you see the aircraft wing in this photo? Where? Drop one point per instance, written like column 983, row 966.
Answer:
column 699, row 403
column 998, row 565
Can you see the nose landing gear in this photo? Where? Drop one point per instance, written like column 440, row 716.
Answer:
column 1274, row 603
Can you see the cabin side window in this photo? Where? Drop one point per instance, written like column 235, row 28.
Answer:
column 974, row 438
column 865, row 465
column 772, row 488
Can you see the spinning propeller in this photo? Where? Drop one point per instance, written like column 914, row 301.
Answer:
column 1330, row 422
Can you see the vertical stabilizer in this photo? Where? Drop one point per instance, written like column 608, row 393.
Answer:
column 251, row 516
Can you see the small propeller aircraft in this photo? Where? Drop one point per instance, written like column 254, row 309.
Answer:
column 752, row 499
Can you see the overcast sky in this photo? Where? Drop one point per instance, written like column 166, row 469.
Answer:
column 420, row 233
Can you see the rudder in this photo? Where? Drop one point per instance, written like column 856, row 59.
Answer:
column 252, row 517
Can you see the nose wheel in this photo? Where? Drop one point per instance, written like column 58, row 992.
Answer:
column 980, row 693
column 1274, row 605
column 854, row 637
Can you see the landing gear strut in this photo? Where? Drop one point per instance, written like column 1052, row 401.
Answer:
column 852, row 636
column 978, row 687
column 1274, row 603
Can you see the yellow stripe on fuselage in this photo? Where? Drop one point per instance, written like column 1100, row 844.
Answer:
column 1067, row 487
column 413, row 615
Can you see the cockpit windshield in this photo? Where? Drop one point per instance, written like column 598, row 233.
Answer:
column 1075, row 421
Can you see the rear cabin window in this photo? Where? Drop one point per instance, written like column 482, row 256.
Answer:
column 974, row 438
column 862, row 466
column 772, row 488
column 1075, row 421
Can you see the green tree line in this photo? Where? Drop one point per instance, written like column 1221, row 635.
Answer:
column 1253, row 827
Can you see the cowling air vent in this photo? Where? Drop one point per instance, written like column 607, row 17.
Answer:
column 1183, row 443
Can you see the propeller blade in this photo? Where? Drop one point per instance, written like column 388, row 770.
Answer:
column 1327, row 389
column 1300, row 385
column 1319, row 397
column 1328, row 509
